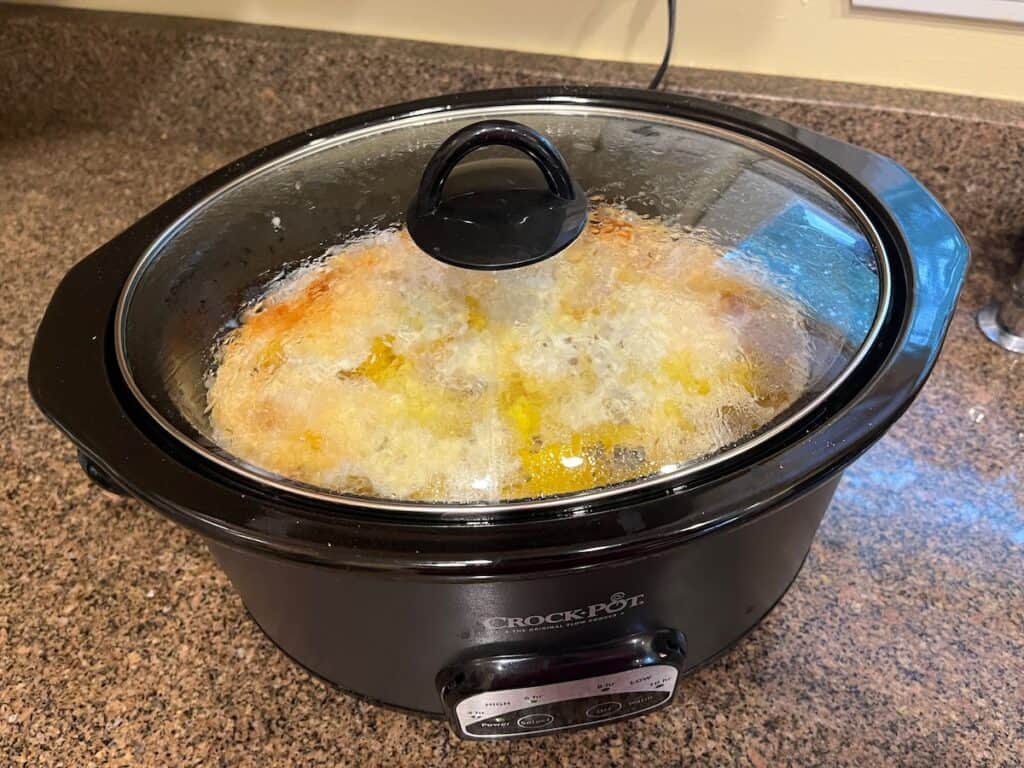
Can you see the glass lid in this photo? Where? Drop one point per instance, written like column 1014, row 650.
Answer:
column 585, row 300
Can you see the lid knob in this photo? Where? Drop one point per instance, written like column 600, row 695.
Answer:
column 497, row 226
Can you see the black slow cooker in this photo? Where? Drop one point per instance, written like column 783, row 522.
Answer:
column 525, row 615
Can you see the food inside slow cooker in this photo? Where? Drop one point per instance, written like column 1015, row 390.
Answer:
column 380, row 371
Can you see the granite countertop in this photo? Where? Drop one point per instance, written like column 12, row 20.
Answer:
column 900, row 643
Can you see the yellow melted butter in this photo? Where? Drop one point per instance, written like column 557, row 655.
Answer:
column 381, row 364
column 382, row 371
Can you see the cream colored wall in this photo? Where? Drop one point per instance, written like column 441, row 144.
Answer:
column 805, row 38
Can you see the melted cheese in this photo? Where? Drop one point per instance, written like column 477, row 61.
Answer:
column 378, row 370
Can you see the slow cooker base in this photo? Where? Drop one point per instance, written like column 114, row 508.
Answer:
column 385, row 637
column 439, row 717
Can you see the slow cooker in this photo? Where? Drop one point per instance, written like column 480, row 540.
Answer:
column 509, row 614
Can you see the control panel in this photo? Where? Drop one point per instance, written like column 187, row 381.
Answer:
column 512, row 696
column 558, row 706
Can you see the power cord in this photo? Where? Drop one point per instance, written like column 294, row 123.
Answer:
column 660, row 74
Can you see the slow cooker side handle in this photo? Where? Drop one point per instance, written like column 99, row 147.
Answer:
column 68, row 375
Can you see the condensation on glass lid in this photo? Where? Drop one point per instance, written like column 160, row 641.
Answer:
column 381, row 372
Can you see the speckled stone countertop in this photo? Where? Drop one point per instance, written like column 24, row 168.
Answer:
column 900, row 643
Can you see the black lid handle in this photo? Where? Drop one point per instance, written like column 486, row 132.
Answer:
column 496, row 227
column 487, row 133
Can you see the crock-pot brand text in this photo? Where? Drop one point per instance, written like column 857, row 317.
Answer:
column 618, row 603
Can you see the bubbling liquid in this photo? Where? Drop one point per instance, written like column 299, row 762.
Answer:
column 380, row 371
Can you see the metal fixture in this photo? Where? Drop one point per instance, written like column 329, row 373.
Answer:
column 1003, row 323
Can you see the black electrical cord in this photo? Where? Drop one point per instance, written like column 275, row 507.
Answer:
column 668, row 47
